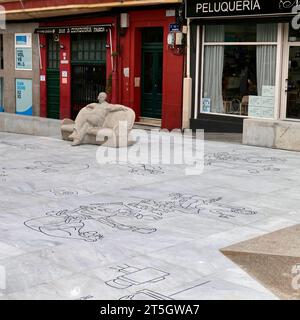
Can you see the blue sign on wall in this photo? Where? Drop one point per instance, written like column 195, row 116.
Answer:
column 174, row 27
column 21, row 40
column 24, row 96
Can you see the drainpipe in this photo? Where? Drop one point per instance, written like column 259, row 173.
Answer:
column 187, row 84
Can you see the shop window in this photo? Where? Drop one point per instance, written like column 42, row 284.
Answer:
column 1, row 51
column 246, row 33
column 240, row 78
column 294, row 35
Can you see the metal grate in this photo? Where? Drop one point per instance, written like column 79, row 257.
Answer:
column 53, row 52
column 87, row 83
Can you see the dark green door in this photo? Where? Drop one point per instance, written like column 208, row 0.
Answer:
column 152, row 71
column 53, row 79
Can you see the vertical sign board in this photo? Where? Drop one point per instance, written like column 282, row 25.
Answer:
column 23, row 51
column 24, row 97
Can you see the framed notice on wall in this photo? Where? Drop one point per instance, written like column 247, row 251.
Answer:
column 24, row 96
column 23, row 58
column 23, row 51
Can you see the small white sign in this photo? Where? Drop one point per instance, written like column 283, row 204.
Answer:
column 64, row 74
column 43, row 78
column 254, row 112
column 267, row 112
column 268, row 91
column 268, row 102
column 170, row 13
column 126, row 72
column 255, row 101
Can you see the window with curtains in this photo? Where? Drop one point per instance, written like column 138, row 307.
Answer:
column 239, row 69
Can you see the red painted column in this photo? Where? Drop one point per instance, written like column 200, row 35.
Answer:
column 172, row 87
column 65, row 76
column 125, row 54
column 115, row 78
column 43, row 78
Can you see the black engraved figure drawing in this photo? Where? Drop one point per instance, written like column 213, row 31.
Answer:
column 87, row 222
column 252, row 163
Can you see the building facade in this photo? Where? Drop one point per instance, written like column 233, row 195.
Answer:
column 245, row 62
column 19, row 79
column 133, row 50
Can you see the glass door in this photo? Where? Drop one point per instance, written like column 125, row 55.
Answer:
column 293, row 83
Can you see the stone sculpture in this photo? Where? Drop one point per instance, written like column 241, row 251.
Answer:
column 100, row 123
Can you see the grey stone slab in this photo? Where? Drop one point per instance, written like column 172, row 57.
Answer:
column 76, row 220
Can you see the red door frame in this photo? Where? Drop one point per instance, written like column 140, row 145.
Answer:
column 130, row 57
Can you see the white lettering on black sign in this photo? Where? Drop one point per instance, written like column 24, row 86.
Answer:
column 226, row 6
column 239, row 8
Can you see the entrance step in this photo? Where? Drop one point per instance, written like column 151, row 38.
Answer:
column 149, row 122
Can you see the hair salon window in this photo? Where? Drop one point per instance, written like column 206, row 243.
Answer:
column 239, row 69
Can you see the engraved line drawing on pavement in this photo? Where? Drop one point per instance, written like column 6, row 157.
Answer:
column 86, row 222
column 146, row 294
column 133, row 276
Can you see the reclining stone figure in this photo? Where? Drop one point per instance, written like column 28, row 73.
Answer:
column 100, row 123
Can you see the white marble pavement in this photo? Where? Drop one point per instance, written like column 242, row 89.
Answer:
column 73, row 229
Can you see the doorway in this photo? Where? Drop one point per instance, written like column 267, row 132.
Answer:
column 88, row 69
column 293, row 83
column 152, row 73
column 53, row 77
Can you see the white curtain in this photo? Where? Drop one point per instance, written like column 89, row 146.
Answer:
column 266, row 56
column 213, row 67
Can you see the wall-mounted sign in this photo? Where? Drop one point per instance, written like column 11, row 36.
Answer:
column 23, row 40
column 238, row 8
column 75, row 29
column 174, row 27
column 23, row 51
column 170, row 13
column 24, row 96
column 23, row 58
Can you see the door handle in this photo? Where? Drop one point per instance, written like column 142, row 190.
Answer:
column 287, row 85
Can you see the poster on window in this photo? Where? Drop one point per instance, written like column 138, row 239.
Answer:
column 268, row 91
column 24, row 96
column 206, row 105
column 23, row 58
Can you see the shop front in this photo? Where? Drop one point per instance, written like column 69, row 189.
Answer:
column 76, row 64
column 246, row 57
column 132, row 54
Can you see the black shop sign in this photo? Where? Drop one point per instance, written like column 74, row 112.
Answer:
column 73, row 29
column 239, row 8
